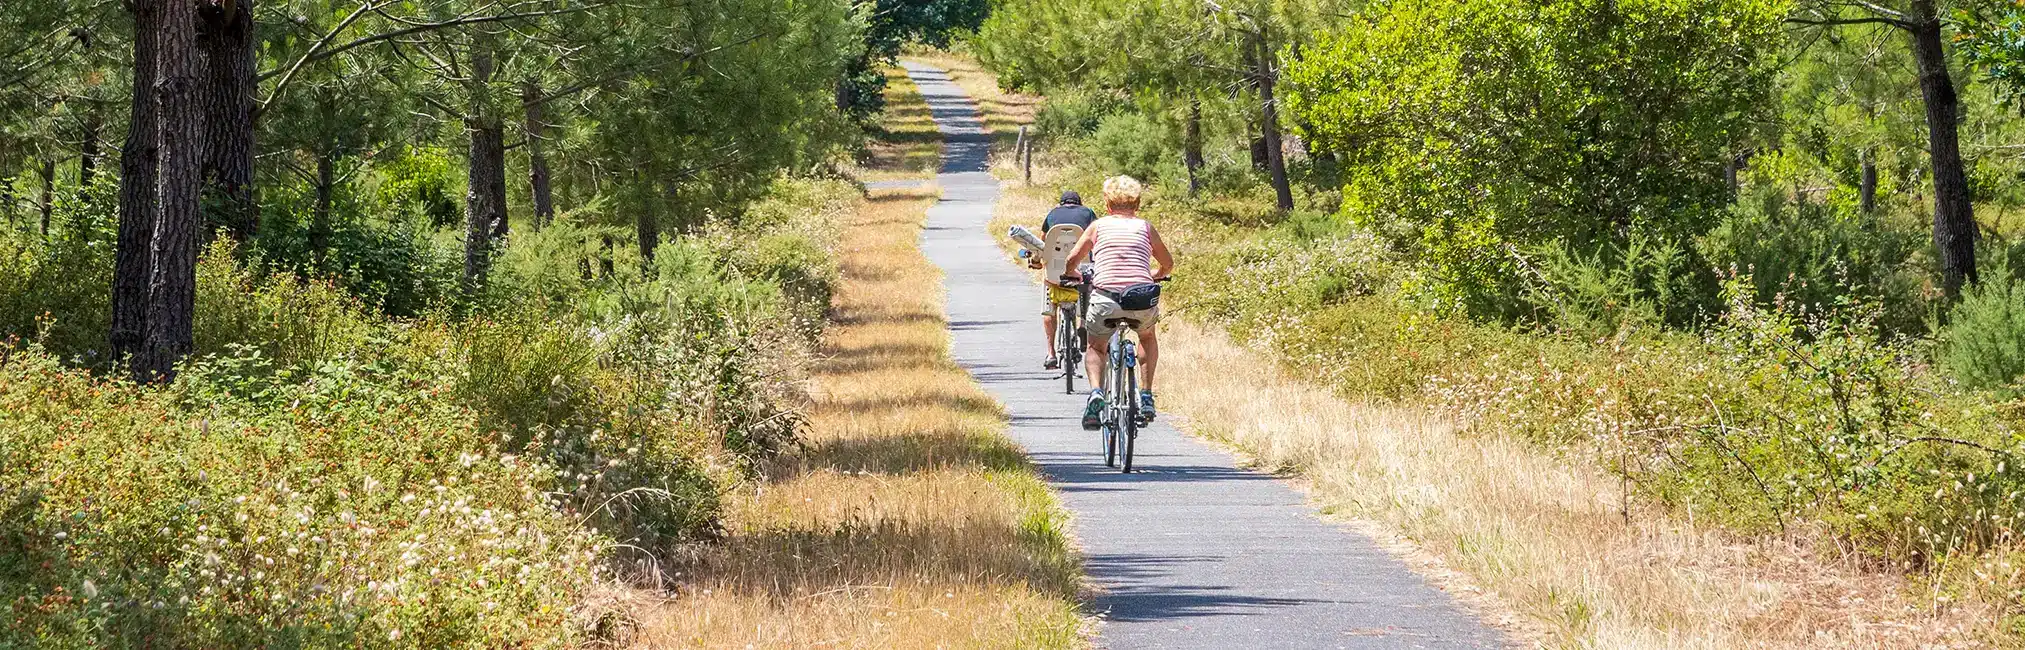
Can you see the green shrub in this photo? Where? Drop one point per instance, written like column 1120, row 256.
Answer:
column 546, row 271
column 1983, row 344
column 55, row 290
column 1644, row 284
column 1770, row 422
column 605, row 408
column 1069, row 116
column 789, row 240
column 1823, row 257
column 295, row 322
column 345, row 509
column 1777, row 418
column 1133, row 144
column 1287, row 271
column 1418, row 98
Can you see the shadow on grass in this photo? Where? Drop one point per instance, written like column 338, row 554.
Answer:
column 911, row 453
column 848, row 317
column 800, row 562
column 877, row 404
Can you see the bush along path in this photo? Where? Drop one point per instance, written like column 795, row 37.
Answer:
column 1189, row 551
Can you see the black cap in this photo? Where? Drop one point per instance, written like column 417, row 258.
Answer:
column 1070, row 197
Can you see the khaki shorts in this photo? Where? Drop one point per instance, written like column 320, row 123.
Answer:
column 1058, row 297
column 1103, row 308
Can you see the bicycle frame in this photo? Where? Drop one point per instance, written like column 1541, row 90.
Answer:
column 1121, row 383
column 1067, row 347
column 1070, row 337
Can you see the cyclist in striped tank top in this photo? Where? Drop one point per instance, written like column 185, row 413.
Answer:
column 1124, row 249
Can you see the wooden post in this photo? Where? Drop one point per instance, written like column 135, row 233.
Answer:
column 1026, row 156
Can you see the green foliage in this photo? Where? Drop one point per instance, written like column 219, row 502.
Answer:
column 1823, row 258
column 1467, row 127
column 1288, row 269
column 1771, row 420
column 890, row 26
column 1644, row 284
column 1994, row 42
column 1132, row 144
column 1983, row 344
column 1074, row 115
column 53, row 290
column 319, row 471
column 423, row 183
column 292, row 322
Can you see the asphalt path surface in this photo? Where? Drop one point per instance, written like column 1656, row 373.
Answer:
column 1189, row 551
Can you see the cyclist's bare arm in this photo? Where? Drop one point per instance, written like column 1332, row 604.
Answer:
column 1160, row 253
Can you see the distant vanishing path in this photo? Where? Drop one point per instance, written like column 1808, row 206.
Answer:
column 1190, row 551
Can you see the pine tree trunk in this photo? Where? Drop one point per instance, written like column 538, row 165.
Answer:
column 1191, row 154
column 1954, row 217
column 485, row 202
column 88, row 153
column 1269, row 125
column 226, row 38
column 138, row 162
column 48, row 194
column 649, row 229
column 485, row 198
column 7, row 198
column 1866, row 188
column 319, row 219
column 605, row 265
column 1730, row 169
column 1258, row 151
column 536, row 127
column 172, row 278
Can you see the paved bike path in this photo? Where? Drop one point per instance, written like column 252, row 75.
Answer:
column 1189, row 551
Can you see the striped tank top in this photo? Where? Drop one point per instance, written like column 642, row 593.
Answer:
column 1122, row 251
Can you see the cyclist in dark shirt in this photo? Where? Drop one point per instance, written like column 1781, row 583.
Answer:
column 1069, row 211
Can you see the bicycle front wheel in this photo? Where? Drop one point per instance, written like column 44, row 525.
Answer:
column 1110, row 446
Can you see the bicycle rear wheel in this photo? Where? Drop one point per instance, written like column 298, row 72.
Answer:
column 1065, row 335
column 1130, row 413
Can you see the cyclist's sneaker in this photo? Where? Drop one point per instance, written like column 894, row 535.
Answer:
column 1052, row 364
column 1093, row 411
column 1146, row 405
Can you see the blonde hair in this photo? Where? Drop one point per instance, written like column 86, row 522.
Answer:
column 1122, row 191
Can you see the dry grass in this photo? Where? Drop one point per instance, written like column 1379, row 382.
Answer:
column 1541, row 535
column 908, row 520
column 908, row 145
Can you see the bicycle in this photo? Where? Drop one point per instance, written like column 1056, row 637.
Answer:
column 1070, row 336
column 1121, row 418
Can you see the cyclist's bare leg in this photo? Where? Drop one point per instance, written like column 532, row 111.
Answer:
column 1048, row 331
column 1094, row 357
column 1149, row 356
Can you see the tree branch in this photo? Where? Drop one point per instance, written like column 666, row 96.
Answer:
column 282, row 86
column 429, row 27
column 1837, row 22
